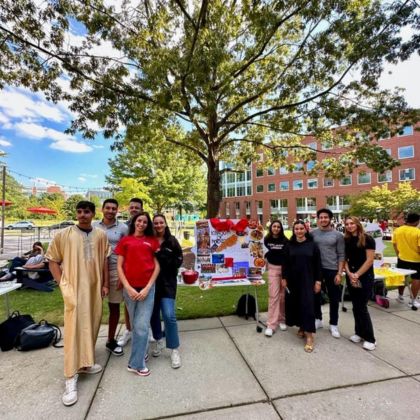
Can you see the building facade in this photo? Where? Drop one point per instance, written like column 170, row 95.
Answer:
column 262, row 193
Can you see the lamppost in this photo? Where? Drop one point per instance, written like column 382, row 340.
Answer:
column 3, row 205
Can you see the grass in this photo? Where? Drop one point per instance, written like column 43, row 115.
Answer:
column 389, row 249
column 191, row 303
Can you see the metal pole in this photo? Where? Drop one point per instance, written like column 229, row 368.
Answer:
column 3, row 206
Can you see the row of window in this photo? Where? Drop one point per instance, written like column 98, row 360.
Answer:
column 404, row 152
column 362, row 178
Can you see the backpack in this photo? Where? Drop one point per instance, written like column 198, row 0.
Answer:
column 246, row 306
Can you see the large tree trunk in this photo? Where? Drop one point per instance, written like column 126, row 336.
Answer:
column 213, row 188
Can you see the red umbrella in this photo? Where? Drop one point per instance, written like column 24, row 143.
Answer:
column 6, row 203
column 41, row 210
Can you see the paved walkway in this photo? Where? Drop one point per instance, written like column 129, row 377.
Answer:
column 231, row 372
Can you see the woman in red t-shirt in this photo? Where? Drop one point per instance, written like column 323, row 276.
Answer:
column 138, row 269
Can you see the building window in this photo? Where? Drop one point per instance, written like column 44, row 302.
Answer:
column 310, row 165
column 260, row 205
column 312, row 183
column 328, row 182
column 284, row 186
column 298, row 185
column 260, row 188
column 274, row 204
column 271, row 171
column 389, row 152
column 283, row 204
column 283, row 170
column 237, row 205
column 271, row 187
column 248, row 175
column 248, row 190
column 385, row 177
column 386, row 136
column 364, row 178
column 326, row 145
column 408, row 174
column 346, row 180
column 248, row 206
column 230, row 177
column 405, row 152
column 312, row 145
column 406, row 131
column 231, row 192
column 260, row 172
column 240, row 191
column 298, row 167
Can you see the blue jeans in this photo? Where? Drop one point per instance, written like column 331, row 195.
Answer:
column 167, row 306
column 140, row 312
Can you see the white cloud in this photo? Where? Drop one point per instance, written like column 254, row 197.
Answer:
column 71, row 146
column 97, row 146
column 89, row 176
column 81, row 179
column 4, row 142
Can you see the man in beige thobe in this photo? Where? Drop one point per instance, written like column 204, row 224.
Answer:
column 78, row 262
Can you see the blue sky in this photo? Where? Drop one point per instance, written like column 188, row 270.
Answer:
column 32, row 134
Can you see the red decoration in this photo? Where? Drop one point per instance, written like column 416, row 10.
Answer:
column 228, row 224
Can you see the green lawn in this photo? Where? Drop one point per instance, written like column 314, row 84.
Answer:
column 389, row 249
column 191, row 303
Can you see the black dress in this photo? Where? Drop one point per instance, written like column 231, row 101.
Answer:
column 301, row 269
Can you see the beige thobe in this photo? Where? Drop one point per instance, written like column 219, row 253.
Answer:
column 82, row 258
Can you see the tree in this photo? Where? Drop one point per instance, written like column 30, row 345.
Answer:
column 69, row 207
column 173, row 176
column 132, row 187
column 383, row 203
column 225, row 79
column 14, row 194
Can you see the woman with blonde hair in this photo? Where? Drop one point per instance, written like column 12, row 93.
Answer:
column 360, row 252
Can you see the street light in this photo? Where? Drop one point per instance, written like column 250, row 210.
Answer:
column 3, row 206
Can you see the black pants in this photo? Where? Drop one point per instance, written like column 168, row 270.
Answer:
column 360, row 297
column 334, row 295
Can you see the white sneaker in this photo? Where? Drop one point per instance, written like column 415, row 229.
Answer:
column 151, row 339
column 414, row 303
column 318, row 324
column 158, row 346
column 70, row 393
column 400, row 298
column 175, row 359
column 334, row 331
column 268, row 332
column 91, row 370
column 355, row 338
column 283, row 327
column 369, row 346
column 124, row 339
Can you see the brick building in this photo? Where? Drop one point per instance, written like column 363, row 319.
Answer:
column 260, row 194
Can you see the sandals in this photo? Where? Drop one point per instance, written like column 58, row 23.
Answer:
column 309, row 347
column 301, row 334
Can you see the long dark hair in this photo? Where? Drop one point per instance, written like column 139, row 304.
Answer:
column 167, row 233
column 308, row 236
column 281, row 236
column 149, row 228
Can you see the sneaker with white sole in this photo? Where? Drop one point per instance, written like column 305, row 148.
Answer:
column 369, row 346
column 334, row 331
column 175, row 359
column 124, row 339
column 318, row 324
column 269, row 332
column 91, row 370
column 283, row 327
column 414, row 302
column 158, row 346
column 141, row 372
column 114, row 348
column 400, row 298
column 70, row 393
column 355, row 338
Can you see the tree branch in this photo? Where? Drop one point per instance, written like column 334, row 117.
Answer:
column 186, row 14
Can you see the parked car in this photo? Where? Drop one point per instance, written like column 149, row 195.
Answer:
column 386, row 235
column 24, row 224
column 62, row 225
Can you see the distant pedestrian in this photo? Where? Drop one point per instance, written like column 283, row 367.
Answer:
column 78, row 261
column 302, row 274
column 170, row 259
column 138, row 269
column 276, row 243
column 331, row 246
column 406, row 241
column 360, row 252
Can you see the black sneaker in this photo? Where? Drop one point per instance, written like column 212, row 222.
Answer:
column 114, row 348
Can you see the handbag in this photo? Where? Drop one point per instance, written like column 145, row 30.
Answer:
column 11, row 328
column 38, row 336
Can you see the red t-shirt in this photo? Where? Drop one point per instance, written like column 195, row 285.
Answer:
column 138, row 253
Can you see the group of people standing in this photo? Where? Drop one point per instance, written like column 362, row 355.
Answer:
column 300, row 267
column 135, row 262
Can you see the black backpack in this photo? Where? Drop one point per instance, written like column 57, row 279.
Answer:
column 246, row 306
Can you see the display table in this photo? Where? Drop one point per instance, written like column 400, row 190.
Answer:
column 5, row 288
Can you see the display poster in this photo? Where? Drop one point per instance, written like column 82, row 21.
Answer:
column 375, row 231
column 229, row 249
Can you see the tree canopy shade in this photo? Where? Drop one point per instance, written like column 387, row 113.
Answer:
column 230, row 78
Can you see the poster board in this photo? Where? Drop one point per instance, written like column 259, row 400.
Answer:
column 375, row 231
column 230, row 249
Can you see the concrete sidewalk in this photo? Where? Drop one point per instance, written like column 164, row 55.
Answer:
column 230, row 371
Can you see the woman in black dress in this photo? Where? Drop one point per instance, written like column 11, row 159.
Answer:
column 302, row 272
column 360, row 252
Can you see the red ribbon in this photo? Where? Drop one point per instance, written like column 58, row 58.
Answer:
column 226, row 225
